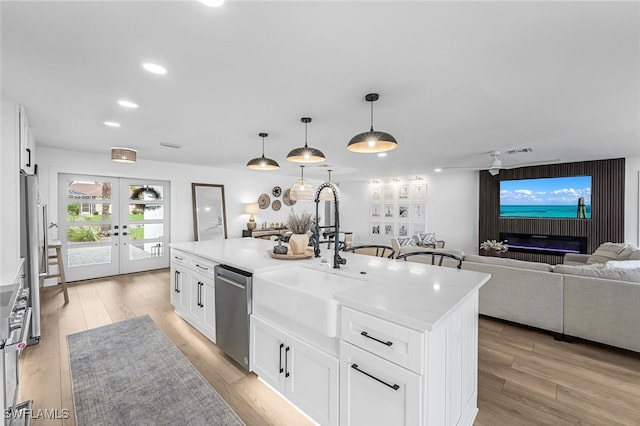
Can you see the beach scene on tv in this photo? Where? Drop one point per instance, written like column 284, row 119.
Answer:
column 556, row 198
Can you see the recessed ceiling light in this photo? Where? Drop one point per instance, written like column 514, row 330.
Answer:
column 382, row 154
column 154, row 68
column 128, row 104
column 111, row 123
column 212, row 3
column 438, row 170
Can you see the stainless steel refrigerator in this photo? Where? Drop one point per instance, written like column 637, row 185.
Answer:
column 33, row 243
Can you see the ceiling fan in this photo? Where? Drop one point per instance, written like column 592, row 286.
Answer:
column 495, row 164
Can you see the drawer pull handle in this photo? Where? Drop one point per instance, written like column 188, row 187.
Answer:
column 281, row 369
column 394, row 386
column 202, row 267
column 365, row 334
column 178, row 258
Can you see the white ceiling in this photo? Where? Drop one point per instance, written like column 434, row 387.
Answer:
column 456, row 80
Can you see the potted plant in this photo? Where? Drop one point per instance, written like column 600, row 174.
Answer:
column 494, row 247
column 300, row 225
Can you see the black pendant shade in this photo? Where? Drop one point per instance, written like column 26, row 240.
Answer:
column 263, row 163
column 372, row 141
column 305, row 154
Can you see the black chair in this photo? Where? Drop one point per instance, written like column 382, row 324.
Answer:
column 433, row 254
column 381, row 251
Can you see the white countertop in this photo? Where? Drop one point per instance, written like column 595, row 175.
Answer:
column 408, row 293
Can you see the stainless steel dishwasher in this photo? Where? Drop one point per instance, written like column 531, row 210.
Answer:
column 233, row 306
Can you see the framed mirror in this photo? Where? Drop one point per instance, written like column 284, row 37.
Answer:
column 209, row 217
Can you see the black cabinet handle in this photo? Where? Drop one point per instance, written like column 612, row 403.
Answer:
column 365, row 334
column 355, row 367
column 29, row 160
column 202, row 267
column 177, row 283
column 178, row 258
column 199, row 294
column 201, row 298
column 280, row 362
column 286, row 362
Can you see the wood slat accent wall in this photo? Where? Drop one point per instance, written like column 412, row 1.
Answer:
column 607, row 206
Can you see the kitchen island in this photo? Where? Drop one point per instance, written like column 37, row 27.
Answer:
column 377, row 341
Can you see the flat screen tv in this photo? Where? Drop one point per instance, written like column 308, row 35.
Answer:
column 549, row 198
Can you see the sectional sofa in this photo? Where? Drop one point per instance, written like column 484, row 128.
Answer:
column 581, row 298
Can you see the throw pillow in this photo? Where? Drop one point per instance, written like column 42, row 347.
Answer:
column 606, row 252
column 426, row 238
column 622, row 264
column 635, row 255
column 406, row 242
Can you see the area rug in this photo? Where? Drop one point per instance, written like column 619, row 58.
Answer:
column 130, row 373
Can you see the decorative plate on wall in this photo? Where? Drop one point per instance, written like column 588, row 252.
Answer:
column 287, row 198
column 264, row 201
column 277, row 191
column 276, row 205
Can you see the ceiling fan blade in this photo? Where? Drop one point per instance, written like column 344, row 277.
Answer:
column 531, row 163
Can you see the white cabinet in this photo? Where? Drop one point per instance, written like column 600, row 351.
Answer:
column 391, row 374
column 202, row 304
column 193, row 291
column 305, row 375
column 374, row 391
column 26, row 142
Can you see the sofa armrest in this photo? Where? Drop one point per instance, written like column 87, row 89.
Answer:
column 575, row 259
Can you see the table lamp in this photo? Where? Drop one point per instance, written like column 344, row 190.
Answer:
column 251, row 209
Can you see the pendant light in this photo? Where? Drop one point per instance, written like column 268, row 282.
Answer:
column 302, row 189
column 327, row 193
column 305, row 154
column 263, row 163
column 372, row 141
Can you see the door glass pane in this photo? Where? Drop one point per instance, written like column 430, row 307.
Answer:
column 146, row 231
column 146, row 192
column 139, row 251
column 88, row 255
column 88, row 234
column 86, row 191
column 146, row 211
column 88, row 212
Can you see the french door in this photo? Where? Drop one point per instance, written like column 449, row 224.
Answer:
column 111, row 226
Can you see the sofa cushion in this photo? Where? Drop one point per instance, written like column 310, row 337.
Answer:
column 513, row 263
column 623, row 264
column 634, row 255
column 599, row 271
column 609, row 251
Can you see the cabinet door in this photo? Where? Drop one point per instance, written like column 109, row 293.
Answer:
column 268, row 353
column 209, row 315
column 312, row 384
column 26, row 143
column 180, row 289
column 374, row 391
column 196, row 303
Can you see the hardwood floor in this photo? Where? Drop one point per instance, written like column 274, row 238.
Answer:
column 525, row 376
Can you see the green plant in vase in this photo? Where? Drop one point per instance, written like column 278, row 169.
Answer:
column 300, row 224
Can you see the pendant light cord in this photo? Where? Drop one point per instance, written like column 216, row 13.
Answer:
column 263, row 147
column 371, row 116
column 305, row 135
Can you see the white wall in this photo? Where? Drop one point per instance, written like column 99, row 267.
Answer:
column 452, row 210
column 9, row 195
column 631, row 202
column 240, row 186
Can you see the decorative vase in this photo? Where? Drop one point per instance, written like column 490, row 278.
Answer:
column 298, row 243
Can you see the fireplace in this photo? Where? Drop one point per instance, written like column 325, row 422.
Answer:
column 544, row 244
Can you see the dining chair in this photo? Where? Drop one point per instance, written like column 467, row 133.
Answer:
column 380, row 250
column 434, row 254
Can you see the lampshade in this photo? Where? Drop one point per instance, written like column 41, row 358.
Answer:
column 251, row 208
column 372, row 141
column 327, row 192
column 263, row 163
column 302, row 189
column 123, row 155
column 305, row 154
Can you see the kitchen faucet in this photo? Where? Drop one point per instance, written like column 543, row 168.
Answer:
column 337, row 260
